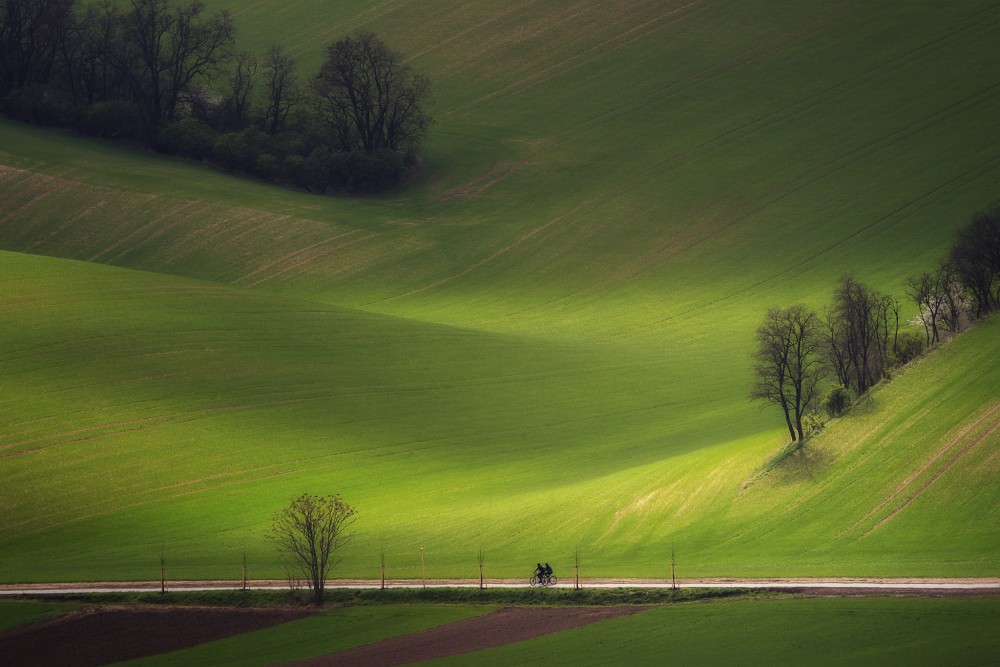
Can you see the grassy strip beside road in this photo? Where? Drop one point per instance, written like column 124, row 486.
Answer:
column 367, row 596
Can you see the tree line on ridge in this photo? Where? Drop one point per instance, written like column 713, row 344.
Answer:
column 857, row 341
column 168, row 76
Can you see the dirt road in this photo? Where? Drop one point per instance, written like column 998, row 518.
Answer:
column 981, row 585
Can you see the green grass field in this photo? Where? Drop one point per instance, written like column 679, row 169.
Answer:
column 540, row 346
column 831, row 631
column 836, row 631
column 15, row 613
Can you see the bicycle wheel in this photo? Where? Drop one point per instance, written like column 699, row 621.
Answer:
column 551, row 581
column 533, row 581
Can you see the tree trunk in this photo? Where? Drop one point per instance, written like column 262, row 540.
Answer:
column 788, row 420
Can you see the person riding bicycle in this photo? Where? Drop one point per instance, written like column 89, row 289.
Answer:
column 548, row 571
column 539, row 571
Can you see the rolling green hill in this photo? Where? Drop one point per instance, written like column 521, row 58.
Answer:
column 541, row 345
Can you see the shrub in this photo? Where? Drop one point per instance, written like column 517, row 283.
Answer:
column 909, row 346
column 39, row 104
column 837, row 401
column 241, row 151
column 266, row 166
column 812, row 424
column 318, row 172
column 115, row 119
column 188, row 137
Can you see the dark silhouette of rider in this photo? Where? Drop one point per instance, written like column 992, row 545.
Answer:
column 539, row 571
column 548, row 570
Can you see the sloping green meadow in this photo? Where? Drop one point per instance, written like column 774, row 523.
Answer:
column 540, row 346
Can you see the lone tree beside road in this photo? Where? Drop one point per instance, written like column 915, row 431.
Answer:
column 787, row 369
column 311, row 530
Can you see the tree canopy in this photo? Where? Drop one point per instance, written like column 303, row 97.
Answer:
column 787, row 370
column 310, row 531
column 368, row 98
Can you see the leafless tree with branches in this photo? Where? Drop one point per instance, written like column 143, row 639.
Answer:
column 369, row 98
column 860, row 334
column 310, row 531
column 788, row 370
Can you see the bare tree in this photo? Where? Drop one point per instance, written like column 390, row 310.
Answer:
column 860, row 333
column 787, row 370
column 32, row 37
column 834, row 347
column 976, row 259
column 164, row 48
column 368, row 98
column 283, row 92
column 941, row 299
column 925, row 291
column 90, row 75
column 242, row 75
column 957, row 311
column 310, row 531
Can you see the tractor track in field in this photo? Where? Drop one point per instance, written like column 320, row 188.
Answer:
column 609, row 45
column 658, row 255
column 991, row 428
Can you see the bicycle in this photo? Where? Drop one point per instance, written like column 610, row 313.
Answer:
column 543, row 580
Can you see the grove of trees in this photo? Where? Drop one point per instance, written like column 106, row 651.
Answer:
column 859, row 340
column 164, row 74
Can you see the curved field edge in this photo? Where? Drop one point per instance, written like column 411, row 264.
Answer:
column 16, row 613
column 828, row 631
column 321, row 634
column 317, row 634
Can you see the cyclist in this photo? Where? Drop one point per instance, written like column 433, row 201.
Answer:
column 548, row 572
column 539, row 572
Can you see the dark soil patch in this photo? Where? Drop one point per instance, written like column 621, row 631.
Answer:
column 506, row 626
column 101, row 636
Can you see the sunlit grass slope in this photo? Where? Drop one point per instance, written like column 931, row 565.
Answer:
column 541, row 344
column 163, row 414
column 135, row 399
